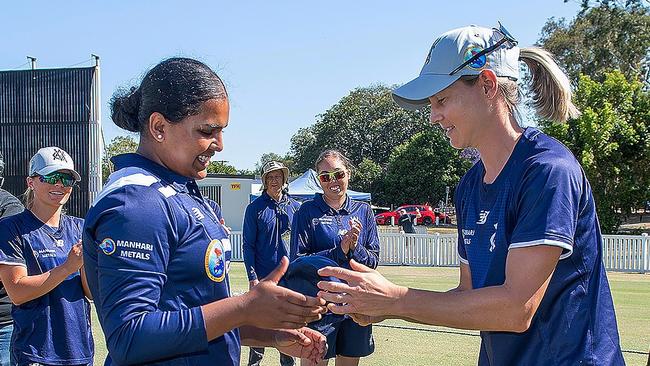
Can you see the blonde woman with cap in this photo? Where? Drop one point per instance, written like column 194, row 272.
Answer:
column 40, row 261
column 266, row 233
column 531, row 273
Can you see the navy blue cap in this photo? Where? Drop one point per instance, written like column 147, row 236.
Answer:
column 302, row 276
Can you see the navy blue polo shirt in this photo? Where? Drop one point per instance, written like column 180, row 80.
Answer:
column 216, row 208
column 541, row 197
column 318, row 229
column 154, row 253
column 52, row 329
column 267, row 229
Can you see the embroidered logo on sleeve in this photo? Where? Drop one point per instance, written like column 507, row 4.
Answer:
column 108, row 246
column 127, row 249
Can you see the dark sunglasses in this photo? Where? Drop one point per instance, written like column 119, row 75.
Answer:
column 330, row 176
column 66, row 179
column 506, row 37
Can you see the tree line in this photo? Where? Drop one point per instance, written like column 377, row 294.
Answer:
column 400, row 158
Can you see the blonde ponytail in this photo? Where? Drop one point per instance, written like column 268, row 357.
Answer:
column 550, row 87
column 28, row 198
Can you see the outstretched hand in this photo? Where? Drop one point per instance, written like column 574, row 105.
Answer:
column 274, row 307
column 304, row 343
column 367, row 293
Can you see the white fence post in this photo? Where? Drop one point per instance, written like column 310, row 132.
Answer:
column 645, row 248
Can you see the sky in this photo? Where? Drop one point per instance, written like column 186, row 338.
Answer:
column 283, row 62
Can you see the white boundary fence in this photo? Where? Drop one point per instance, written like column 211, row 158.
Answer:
column 621, row 253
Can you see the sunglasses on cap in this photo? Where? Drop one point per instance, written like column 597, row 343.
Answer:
column 505, row 37
column 66, row 179
column 330, row 176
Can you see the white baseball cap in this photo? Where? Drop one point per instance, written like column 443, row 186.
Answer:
column 51, row 159
column 460, row 52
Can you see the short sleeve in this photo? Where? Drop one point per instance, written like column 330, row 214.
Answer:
column 11, row 245
column 547, row 205
column 10, row 206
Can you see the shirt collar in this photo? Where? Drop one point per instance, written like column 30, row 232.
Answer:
column 137, row 160
column 345, row 209
column 268, row 197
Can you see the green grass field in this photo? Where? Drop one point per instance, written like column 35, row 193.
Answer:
column 444, row 346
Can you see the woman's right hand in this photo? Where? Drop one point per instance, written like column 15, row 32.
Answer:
column 75, row 258
column 270, row 306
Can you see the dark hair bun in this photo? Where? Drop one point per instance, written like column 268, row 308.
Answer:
column 125, row 108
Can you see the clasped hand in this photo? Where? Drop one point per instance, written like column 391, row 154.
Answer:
column 367, row 295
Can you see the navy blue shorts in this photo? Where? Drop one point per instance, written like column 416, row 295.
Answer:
column 349, row 339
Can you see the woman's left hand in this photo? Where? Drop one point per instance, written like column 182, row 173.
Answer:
column 304, row 343
column 349, row 241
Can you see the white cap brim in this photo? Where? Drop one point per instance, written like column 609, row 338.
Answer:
column 415, row 94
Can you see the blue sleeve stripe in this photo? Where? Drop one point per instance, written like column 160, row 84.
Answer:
column 138, row 179
column 568, row 248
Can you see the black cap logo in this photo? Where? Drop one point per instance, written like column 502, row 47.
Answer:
column 59, row 154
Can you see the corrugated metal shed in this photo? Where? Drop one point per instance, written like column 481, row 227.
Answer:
column 46, row 107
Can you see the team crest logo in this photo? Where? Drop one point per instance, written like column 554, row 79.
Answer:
column 215, row 261
column 59, row 154
column 108, row 246
column 479, row 62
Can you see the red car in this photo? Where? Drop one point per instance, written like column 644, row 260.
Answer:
column 428, row 215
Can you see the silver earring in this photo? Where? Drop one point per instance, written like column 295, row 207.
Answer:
column 160, row 137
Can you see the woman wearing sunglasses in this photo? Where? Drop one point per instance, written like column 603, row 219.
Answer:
column 531, row 272
column 156, row 254
column 40, row 258
column 337, row 227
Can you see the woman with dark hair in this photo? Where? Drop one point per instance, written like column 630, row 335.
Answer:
column 532, row 278
column 337, row 227
column 40, row 257
column 157, row 256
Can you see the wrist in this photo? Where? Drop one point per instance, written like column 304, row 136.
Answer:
column 67, row 269
column 399, row 305
column 243, row 308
